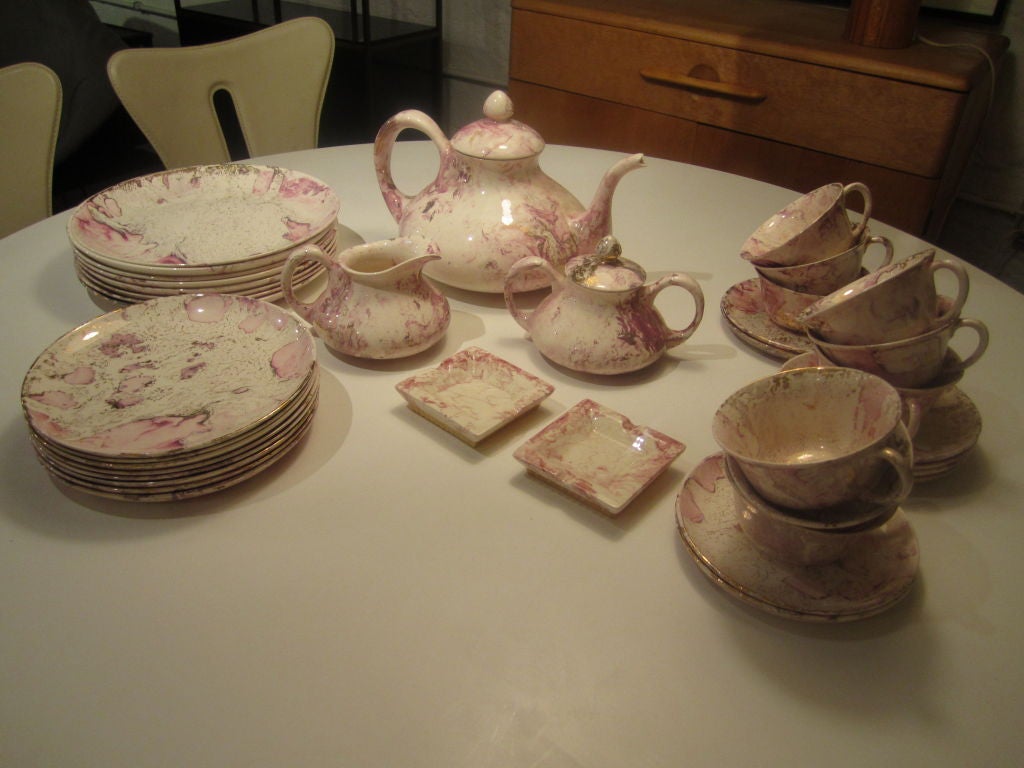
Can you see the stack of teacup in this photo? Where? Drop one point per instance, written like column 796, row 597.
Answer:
column 894, row 324
column 815, row 456
column 809, row 249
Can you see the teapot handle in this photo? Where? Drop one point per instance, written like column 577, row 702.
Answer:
column 684, row 281
column 528, row 262
column 394, row 198
column 295, row 258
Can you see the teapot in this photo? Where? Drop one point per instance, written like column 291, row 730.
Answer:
column 491, row 204
column 600, row 315
column 376, row 304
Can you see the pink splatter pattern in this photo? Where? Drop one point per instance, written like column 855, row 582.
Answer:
column 202, row 216
column 167, row 374
column 599, row 455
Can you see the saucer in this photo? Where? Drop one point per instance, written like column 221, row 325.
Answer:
column 948, row 432
column 871, row 576
column 743, row 308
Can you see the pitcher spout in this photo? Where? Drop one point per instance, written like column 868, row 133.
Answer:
column 596, row 222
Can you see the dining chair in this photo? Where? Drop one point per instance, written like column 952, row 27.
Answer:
column 276, row 78
column 30, row 102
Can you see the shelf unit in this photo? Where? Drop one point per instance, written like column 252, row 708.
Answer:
column 767, row 89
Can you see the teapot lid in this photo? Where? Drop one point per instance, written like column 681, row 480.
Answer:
column 497, row 136
column 605, row 269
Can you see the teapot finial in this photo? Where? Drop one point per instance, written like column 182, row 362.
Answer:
column 498, row 107
column 608, row 249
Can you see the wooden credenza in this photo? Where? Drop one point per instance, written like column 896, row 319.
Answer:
column 766, row 89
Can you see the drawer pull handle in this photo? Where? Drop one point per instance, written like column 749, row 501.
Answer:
column 664, row 77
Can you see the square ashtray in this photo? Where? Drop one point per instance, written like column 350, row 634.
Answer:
column 473, row 394
column 599, row 456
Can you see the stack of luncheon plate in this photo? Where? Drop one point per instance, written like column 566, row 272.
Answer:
column 208, row 228
column 172, row 398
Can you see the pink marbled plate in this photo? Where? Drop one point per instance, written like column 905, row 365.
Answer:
column 598, row 455
column 168, row 375
column 743, row 308
column 202, row 216
column 870, row 577
column 473, row 394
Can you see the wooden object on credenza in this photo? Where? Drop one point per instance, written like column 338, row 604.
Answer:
column 768, row 89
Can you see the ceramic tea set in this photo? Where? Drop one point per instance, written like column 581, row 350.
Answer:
column 800, row 513
column 492, row 221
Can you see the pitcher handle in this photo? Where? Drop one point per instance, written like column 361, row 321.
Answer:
column 963, row 285
column 384, row 145
column 521, row 316
column 687, row 283
column 865, row 195
column 295, row 259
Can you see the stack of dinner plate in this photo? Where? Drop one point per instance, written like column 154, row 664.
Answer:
column 208, row 228
column 172, row 398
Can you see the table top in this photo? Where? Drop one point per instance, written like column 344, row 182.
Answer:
column 388, row 595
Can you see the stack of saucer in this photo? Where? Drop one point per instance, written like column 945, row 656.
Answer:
column 173, row 398
column 209, row 228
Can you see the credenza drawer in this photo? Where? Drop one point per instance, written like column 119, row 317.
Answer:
column 827, row 109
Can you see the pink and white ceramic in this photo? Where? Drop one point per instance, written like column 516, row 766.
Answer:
column 600, row 315
column 598, row 455
column 473, row 394
column 207, row 229
column 172, row 398
column 811, row 228
column 847, row 517
column 818, row 439
column 896, row 302
column 911, row 362
column 873, row 573
column 831, row 273
column 376, row 304
column 742, row 306
column 202, row 216
column 784, row 305
column 491, row 204
column 943, row 421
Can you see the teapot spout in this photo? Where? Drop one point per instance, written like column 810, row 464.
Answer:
column 596, row 222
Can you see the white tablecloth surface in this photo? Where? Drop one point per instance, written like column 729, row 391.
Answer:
column 388, row 596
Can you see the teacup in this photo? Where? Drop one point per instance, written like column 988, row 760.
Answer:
column 908, row 363
column 811, row 228
column 831, row 273
column 818, row 439
column 898, row 301
column 776, row 533
column 917, row 401
column 783, row 305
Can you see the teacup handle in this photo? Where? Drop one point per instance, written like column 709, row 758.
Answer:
column 675, row 338
column 963, row 285
column 529, row 262
column 982, row 331
column 865, row 195
column 914, row 413
column 889, row 250
column 904, row 466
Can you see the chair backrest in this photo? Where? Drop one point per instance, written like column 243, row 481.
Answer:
column 276, row 78
column 30, row 99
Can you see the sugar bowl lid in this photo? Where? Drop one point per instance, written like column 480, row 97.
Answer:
column 605, row 269
column 497, row 136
